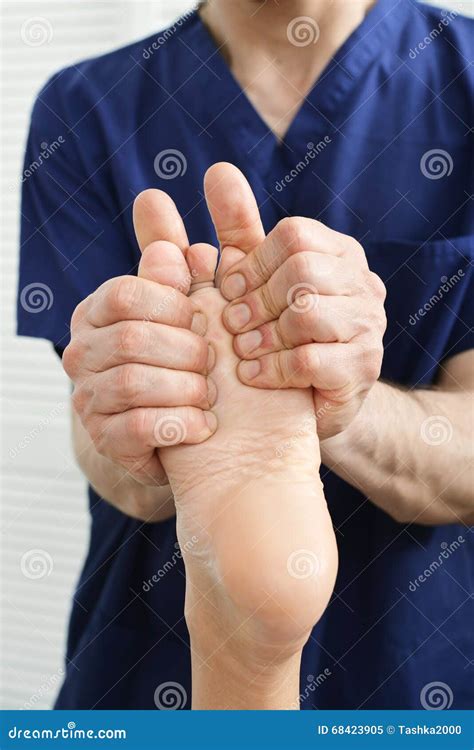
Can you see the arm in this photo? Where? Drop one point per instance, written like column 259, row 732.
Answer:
column 116, row 485
column 411, row 452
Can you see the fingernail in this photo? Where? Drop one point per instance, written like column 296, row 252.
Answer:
column 250, row 369
column 211, row 392
column 234, row 286
column 199, row 323
column 211, row 358
column 238, row 315
column 211, row 420
column 249, row 341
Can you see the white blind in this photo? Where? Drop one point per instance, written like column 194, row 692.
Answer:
column 44, row 520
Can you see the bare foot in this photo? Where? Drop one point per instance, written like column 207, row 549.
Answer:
column 252, row 520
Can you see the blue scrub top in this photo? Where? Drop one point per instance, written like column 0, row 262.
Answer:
column 389, row 161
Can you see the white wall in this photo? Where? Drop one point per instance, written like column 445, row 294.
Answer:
column 44, row 522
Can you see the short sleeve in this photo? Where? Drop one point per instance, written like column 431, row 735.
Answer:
column 73, row 236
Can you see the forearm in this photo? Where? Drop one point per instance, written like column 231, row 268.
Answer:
column 113, row 483
column 410, row 452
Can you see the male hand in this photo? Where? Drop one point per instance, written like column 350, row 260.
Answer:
column 305, row 308
column 137, row 357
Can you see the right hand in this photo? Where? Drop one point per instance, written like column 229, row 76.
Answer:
column 137, row 357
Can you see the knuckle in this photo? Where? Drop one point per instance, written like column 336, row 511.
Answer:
column 303, row 270
column 196, row 389
column 377, row 286
column 122, row 295
column 136, row 425
column 269, row 302
column 291, row 232
column 306, row 360
column 81, row 397
column 198, row 354
column 372, row 360
column 79, row 313
column 98, row 435
column 355, row 248
column 131, row 339
column 72, row 358
column 127, row 383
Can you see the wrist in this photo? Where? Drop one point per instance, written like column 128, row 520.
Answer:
column 359, row 433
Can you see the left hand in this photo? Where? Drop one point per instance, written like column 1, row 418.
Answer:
column 305, row 308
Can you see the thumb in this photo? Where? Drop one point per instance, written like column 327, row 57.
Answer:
column 233, row 207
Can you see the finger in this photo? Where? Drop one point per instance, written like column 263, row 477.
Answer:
column 322, row 366
column 164, row 263
column 311, row 318
column 131, row 298
column 229, row 257
column 233, row 208
column 155, row 217
column 130, row 386
column 140, row 428
column 300, row 275
column 143, row 343
column 290, row 237
column 202, row 261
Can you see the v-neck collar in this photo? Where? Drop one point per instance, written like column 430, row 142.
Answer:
column 220, row 103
